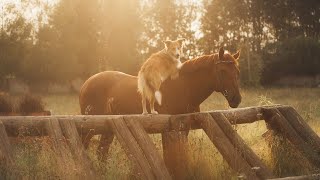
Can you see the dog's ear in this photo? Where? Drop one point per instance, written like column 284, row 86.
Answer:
column 167, row 43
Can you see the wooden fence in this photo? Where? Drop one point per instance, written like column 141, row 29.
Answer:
column 132, row 132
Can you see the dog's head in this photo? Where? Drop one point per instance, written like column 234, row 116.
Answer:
column 174, row 48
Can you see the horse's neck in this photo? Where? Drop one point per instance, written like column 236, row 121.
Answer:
column 200, row 86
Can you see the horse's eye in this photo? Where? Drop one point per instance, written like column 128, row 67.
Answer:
column 225, row 93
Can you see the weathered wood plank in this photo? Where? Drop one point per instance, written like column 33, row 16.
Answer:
column 241, row 115
column 35, row 126
column 43, row 113
column 152, row 124
column 63, row 153
column 81, row 158
column 305, row 177
column 302, row 128
column 279, row 123
column 176, row 148
column 243, row 149
column 132, row 148
column 5, row 146
column 225, row 147
column 148, row 147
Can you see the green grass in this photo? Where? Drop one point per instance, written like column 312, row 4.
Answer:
column 35, row 158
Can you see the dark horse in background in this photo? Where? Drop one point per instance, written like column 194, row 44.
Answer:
column 113, row 92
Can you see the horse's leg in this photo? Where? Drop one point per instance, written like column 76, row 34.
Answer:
column 144, row 105
column 152, row 101
column 104, row 145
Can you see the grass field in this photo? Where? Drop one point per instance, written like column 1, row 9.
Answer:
column 35, row 158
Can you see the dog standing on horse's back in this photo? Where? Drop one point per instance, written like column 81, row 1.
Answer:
column 156, row 69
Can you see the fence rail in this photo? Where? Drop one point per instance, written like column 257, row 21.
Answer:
column 151, row 123
column 132, row 133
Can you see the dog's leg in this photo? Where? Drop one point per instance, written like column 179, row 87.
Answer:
column 152, row 101
column 144, row 105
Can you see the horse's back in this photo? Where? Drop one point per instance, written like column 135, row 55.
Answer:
column 113, row 92
column 94, row 93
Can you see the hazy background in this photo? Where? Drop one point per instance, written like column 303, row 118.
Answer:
column 58, row 41
column 49, row 47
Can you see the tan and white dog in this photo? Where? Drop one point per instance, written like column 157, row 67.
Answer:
column 156, row 69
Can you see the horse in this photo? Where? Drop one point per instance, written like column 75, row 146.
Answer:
column 113, row 92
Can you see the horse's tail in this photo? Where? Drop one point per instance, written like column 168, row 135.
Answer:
column 146, row 89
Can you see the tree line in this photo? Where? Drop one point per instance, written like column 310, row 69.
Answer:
column 76, row 38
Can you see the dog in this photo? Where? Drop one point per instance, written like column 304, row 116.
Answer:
column 156, row 69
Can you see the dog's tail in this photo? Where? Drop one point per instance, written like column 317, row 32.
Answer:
column 146, row 89
column 143, row 87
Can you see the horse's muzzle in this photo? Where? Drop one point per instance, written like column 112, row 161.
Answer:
column 235, row 101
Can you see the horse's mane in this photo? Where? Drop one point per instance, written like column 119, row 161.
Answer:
column 198, row 63
column 205, row 61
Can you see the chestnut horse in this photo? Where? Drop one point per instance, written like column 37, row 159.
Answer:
column 113, row 92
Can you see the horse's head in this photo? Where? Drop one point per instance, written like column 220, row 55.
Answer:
column 226, row 72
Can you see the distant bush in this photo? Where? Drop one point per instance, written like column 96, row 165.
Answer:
column 30, row 104
column 299, row 56
column 5, row 104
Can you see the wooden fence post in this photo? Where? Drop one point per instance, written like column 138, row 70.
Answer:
column 81, row 158
column 5, row 147
column 148, row 147
column 176, row 150
column 244, row 150
column 302, row 128
column 278, row 122
column 132, row 149
column 225, row 147
column 131, row 131
column 63, row 153
column 6, row 156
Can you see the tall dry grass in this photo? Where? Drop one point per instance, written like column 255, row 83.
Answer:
column 35, row 158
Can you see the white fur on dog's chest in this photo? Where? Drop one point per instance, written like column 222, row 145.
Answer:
column 178, row 63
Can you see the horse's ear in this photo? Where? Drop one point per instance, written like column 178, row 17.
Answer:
column 236, row 55
column 167, row 43
column 221, row 53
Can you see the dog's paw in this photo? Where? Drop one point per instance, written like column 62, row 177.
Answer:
column 145, row 113
column 154, row 112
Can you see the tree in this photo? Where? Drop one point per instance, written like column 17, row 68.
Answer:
column 297, row 17
column 121, row 34
column 15, row 42
column 298, row 56
column 235, row 25
column 168, row 19
column 83, row 37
